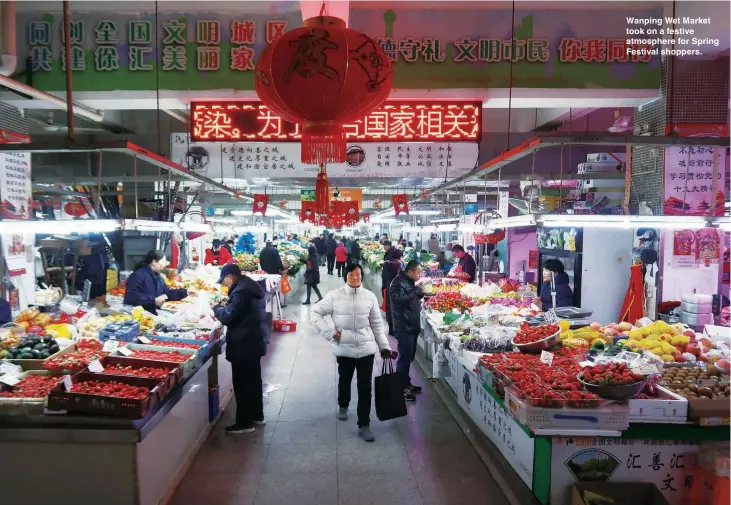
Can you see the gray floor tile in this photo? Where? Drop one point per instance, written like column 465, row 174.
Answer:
column 302, row 458
column 220, row 456
column 300, row 489
column 356, row 457
column 385, row 432
column 308, row 410
column 378, row 489
column 322, row 431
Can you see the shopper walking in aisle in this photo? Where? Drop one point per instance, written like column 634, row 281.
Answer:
column 466, row 265
column 391, row 268
column 341, row 256
column 147, row 288
column 388, row 250
column 330, row 246
column 355, row 253
column 404, row 295
column 244, row 315
column 270, row 261
column 434, row 247
column 355, row 328
column 320, row 247
column 312, row 274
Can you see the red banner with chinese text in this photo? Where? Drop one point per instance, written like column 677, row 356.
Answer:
column 260, row 204
column 400, row 203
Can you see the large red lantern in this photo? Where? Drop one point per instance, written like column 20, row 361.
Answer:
column 323, row 75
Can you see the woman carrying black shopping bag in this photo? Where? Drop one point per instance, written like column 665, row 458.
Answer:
column 355, row 328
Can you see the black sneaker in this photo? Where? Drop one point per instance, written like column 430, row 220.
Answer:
column 409, row 396
column 307, row 302
column 236, row 429
column 414, row 389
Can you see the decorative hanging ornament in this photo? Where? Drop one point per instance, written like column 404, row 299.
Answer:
column 424, row 193
column 400, row 203
column 74, row 209
column 322, row 192
column 283, row 203
column 323, row 75
column 307, row 214
column 260, row 204
column 366, row 217
column 377, row 203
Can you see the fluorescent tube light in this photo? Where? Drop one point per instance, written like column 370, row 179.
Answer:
column 242, row 212
column 424, row 212
column 195, row 227
column 144, row 225
column 633, row 221
column 81, row 226
column 512, row 222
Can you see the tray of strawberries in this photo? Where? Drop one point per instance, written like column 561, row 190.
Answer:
column 107, row 395
column 169, row 374
column 187, row 359
column 534, row 339
column 75, row 357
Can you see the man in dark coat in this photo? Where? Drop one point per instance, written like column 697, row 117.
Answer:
column 244, row 315
column 330, row 246
column 320, row 247
column 391, row 268
column 270, row 261
column 404, row 296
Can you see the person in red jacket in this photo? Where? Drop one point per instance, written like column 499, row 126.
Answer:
column 217, row 255
column 341, row 256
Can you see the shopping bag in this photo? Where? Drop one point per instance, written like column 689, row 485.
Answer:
column 286, row 288
column 390, row 401
column 383, row 303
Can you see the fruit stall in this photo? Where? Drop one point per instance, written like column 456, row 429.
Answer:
column 105, row 389
column 565, row 403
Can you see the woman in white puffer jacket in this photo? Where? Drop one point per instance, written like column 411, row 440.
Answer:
column 355, row 328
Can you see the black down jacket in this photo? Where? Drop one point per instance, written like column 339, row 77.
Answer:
column 245, row 319
column 404, row 296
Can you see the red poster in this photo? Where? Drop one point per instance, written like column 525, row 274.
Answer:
column 400, row 203
column 260, row 204
column 533, row 259
column 307, row 214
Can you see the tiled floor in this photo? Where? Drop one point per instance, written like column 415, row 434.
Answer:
column 304, row 456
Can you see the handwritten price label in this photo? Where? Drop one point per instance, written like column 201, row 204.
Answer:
column 547, row 357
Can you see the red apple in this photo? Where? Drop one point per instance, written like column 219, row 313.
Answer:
column 680, row 348
column 680, row 359
column 703, row 357
column 706, row 342
column 693, row 348
column 689, row 333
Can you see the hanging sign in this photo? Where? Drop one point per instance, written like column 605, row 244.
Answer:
column 260, row 204
column 15, row 185
column 400, row 203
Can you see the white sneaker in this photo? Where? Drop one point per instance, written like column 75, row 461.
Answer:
column 260, row 423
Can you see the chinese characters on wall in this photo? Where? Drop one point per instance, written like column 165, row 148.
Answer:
column 690, row 181
column 395, row 121
column 15, row 185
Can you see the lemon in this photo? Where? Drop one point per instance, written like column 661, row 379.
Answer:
column 667, row 357
column 635, row 334
column 564, row 325
column 658, row 351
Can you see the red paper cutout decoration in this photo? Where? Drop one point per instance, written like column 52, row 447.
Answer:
column 283, row 203
column 307, row 214
column 366, row 217
column 400, row 203
column 74, row 209
column 260, row 204
column 323, row 75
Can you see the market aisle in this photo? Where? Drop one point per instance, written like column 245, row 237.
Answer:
column 305, row 456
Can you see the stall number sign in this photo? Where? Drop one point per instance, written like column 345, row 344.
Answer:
column 395, row 121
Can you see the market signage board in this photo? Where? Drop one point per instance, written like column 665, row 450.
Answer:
column 669, row 464
column 395, row 121
column 203, row 50
column 15, row 185
column 496, row 423
column 281, row 160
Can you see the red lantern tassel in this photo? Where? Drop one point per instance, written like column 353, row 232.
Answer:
column 322, row 193
column 323, row 143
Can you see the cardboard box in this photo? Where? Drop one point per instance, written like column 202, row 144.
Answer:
column 624, row 493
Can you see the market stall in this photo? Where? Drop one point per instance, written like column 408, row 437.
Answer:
column 562, row 403
column 80, row 380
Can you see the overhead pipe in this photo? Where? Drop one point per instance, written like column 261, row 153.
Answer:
column 8, row 55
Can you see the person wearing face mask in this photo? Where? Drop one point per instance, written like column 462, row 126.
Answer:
column 244, row 315
column 404, row 295
column 466, row 264
column 217, row 255
column 350, row 319
column 146, row 287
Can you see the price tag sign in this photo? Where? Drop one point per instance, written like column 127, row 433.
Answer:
column 551, row 317
column 96, row 366
column 584, row 364
column 67, row 382
column 144, row 339
column 125, row 351
column 110, row 346
column 10, row 380
column 8, row 368
column 547, row 357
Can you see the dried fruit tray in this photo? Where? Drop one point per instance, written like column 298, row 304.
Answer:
column 61, row 400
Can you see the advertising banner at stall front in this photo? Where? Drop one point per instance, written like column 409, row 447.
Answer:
column 468, row 48
column 280, row 160
column 15, row 185
column 668, row 464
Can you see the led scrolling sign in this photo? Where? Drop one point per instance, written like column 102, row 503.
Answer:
column 397, row 121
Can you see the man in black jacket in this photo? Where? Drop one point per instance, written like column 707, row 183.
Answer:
column 244, row 315
column 404, row 296
column 330, row 246
column 319, row 243
column 390, row 269
column 270, row 261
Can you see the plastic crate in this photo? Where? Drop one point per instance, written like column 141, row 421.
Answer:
column 174, row 376
column 284, row 325
column 669, row 408
column 61, row 400
column 187, row 367
column 611, row 417
column 24, row 406
column 203, row 346
column 126, row 331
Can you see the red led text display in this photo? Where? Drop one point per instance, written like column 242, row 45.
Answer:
column 393, row 122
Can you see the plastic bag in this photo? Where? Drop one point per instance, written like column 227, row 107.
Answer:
column 286, row 288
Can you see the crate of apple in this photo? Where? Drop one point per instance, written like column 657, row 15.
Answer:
column 107, row 395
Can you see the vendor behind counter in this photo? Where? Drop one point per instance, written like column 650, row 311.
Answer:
column 93, row 268
column 147, row 288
